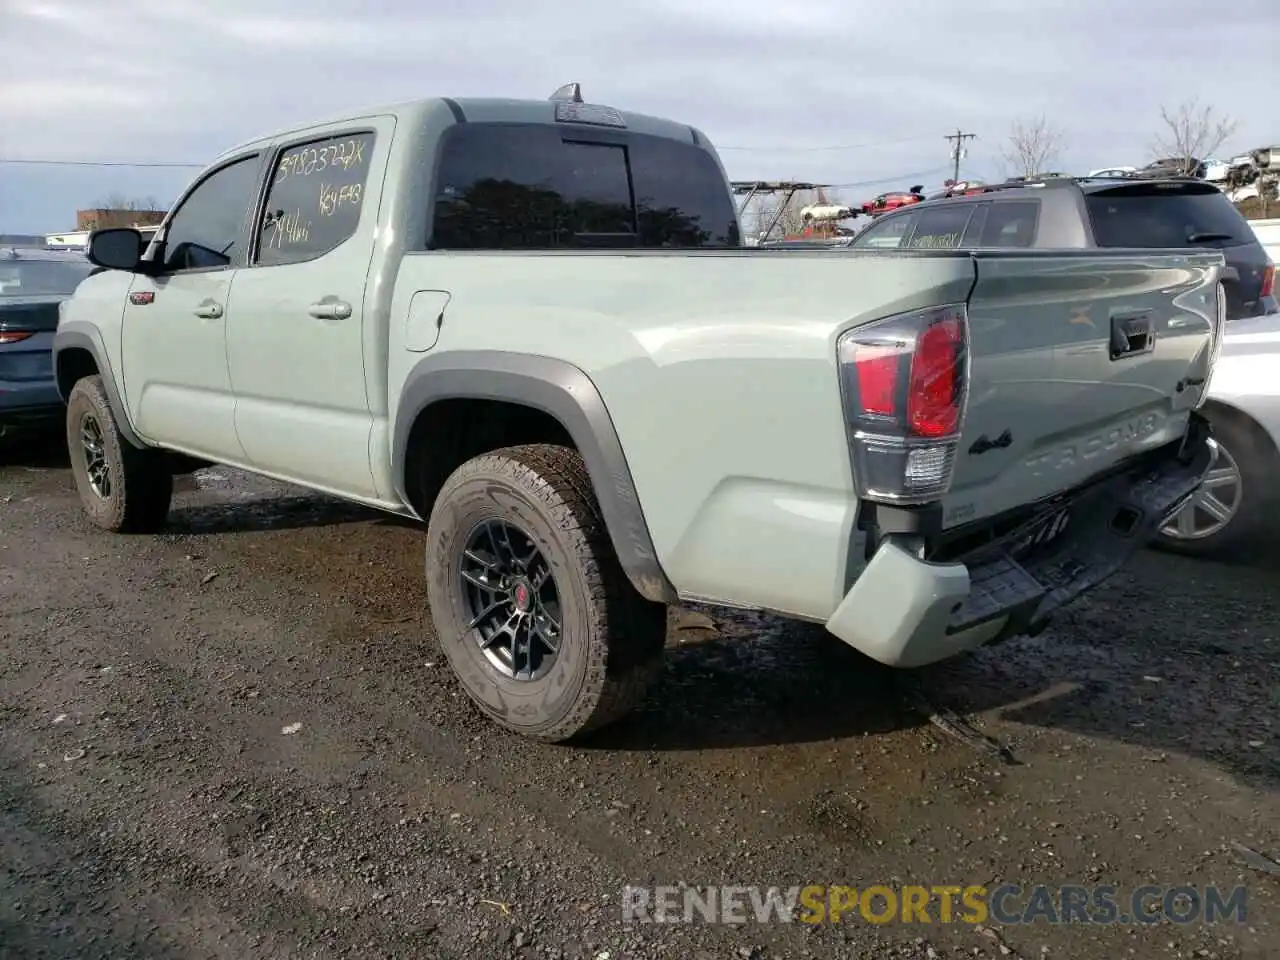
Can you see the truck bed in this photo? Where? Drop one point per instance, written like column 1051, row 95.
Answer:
column 663, row 333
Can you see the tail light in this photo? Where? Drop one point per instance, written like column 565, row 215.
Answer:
column 14, row 336
column 1268, row 280
column 905, row 385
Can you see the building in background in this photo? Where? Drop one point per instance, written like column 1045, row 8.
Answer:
column 146, row 221
column 102, row 218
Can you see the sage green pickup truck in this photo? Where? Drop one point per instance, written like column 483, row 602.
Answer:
column 532, row 325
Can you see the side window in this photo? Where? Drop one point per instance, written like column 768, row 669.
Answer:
column 315, row 198
column 542, row 187
column 1011, row 223
column 942, row 227
column 973, row 232
column 886, row 233
column 208, row 229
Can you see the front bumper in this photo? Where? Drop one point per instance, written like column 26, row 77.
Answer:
column 907, row 611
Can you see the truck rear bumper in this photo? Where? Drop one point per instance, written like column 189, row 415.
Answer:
column 907, row 611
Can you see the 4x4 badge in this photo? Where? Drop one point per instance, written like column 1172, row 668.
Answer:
column 142, row 297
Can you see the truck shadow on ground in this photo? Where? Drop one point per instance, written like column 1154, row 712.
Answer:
column 771, row 682
column 224, row 500
column 268, row 514
column 736, row 680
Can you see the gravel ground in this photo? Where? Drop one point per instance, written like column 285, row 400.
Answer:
column 239, row 740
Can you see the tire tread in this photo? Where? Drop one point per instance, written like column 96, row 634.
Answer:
column 141, row 477
column 620, row 671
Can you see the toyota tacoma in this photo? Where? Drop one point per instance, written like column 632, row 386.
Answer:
column 532, row 326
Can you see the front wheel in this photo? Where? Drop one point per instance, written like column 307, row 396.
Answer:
column 530, row 604
column 122, row 488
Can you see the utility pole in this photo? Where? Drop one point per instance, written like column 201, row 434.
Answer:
column 959, row 137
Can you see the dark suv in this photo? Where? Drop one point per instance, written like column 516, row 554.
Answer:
column 1070, row 212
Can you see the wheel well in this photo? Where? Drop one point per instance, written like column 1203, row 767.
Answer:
column 448, row 433
column 1266, row 443
column 74, row 365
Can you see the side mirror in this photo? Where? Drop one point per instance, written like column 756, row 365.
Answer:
column 116, row 248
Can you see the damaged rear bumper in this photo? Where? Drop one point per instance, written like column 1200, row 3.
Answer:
column 907, row 611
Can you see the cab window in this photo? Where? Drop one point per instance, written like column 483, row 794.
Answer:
column 515, row 186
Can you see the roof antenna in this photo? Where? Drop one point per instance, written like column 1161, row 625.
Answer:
column 570, row 92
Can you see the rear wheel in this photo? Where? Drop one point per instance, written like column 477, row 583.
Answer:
column 530, row 605
column 122, row 488
column 1230, row 508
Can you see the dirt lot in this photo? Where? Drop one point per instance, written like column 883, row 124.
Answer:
column 152, row 804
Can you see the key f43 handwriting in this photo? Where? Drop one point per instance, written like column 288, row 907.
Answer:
column 333, row 196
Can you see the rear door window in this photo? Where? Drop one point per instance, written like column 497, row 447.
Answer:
column 941, row 227
column 542, row 187
column 1155, row 215
column 1010, row 223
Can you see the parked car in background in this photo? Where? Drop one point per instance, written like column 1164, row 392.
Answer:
column 1173, row 167
column 1237, row 503
column 1092, row 213
column 1113, row 172
column 1244, row 409
column 1268, row 234
column 33, row 283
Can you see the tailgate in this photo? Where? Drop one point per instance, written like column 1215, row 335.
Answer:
column 1078, row 362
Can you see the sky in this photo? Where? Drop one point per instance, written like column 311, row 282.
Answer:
column 859, row 93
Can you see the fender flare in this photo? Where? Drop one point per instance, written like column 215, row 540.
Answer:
column 78, row 335
column 566, row 393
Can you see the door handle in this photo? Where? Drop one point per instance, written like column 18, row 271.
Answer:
column 1132, row 334
column 330, row 310
column 209, row 311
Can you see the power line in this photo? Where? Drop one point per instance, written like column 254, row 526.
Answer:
column 101, row 163
column 177, row 164
column 917, row 175
column 834, row 147
column 180, row 165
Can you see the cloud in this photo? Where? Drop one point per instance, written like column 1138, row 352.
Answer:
column 181, row 80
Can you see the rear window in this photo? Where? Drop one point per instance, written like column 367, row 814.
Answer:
column 1151, row 216
column 544, row 187
column 41, row 278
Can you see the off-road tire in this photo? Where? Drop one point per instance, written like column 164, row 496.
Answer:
column 1259, row 466
column 612, row 638
column 141, row 482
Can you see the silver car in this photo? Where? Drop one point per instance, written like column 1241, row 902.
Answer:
column 1236, row 501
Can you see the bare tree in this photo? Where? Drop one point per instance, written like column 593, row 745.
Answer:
column 1032, row 145
column 789, row 221
column 1192, row 132
column 118, row 201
